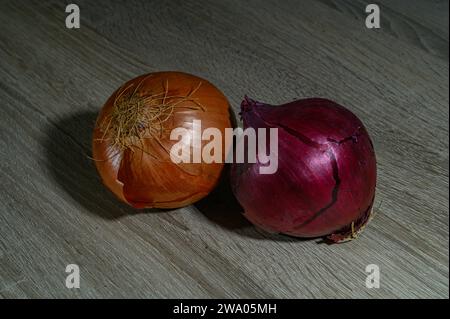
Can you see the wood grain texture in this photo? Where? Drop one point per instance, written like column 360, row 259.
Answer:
column 54, row 210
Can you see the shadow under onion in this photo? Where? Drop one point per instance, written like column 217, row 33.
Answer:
column 68, row 151
column 222, row 208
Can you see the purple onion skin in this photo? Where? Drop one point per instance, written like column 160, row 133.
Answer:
column 326, row 177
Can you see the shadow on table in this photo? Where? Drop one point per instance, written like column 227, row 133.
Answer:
column 68, row 148
column 222, row 208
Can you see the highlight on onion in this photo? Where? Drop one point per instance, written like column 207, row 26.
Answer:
column 326, row 176
column 131, row 140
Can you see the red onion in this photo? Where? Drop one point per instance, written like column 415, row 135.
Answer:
column 326, row 176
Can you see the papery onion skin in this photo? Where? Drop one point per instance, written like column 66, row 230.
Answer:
column 326, row 177
column 144, row 175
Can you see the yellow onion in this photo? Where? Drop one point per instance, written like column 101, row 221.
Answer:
column 131, row 141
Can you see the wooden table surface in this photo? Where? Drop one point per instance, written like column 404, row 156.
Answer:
column 54, row 210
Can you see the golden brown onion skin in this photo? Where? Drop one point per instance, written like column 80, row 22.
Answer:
column 145, row 176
